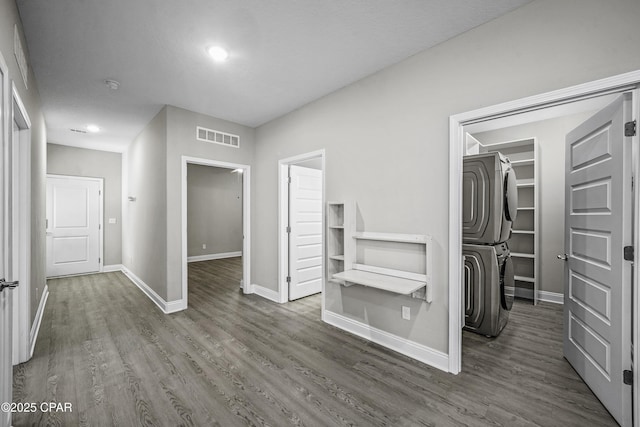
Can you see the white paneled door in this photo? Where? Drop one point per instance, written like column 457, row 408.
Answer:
column 598, row 218
column 305, row 237
column 6, row 370
column 73, row 225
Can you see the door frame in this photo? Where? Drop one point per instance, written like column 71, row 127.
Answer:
column 616, row 84
column 101, row 213
column 246, row 221
column 6, row 354
column 283, row 219
column 20, row 196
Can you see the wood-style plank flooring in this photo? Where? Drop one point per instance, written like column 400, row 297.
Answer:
column 232, row 359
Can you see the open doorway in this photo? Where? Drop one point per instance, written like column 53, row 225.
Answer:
column 301, row 226
column 586, row 124
column 216, row 221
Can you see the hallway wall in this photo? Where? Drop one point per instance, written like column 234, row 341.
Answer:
column 9, row 18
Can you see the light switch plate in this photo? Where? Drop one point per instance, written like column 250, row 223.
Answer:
column 113, row 221
column 406, row 312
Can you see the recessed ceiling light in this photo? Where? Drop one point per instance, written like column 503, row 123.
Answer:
column 218, row 53
column 93, row 128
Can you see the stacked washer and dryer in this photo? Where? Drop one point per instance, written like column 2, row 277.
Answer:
column 489, row 208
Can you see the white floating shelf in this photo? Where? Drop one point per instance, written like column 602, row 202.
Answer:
column 338, row 227
column 529, row 232
column 524, row 162
column 509, row 144
column 391, row 237
column 522, row 255
column 394, row 284
column 526, row 208
column 525, row 183
column 525, row 279
column 337, row 257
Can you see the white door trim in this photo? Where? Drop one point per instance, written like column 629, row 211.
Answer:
column 100, row 181
column 457, row 122
column 283, row 217
column 6, row 344
column 21, row 225
column 246, row 222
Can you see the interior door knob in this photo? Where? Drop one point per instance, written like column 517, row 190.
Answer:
column 562, row 257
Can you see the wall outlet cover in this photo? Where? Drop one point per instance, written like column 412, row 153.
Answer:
column 204, row 246
column 406, row 312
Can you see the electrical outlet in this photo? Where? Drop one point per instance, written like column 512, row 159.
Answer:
column 204, row 246
column 406, row 312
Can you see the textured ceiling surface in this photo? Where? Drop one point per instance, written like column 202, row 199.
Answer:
column 283, row 54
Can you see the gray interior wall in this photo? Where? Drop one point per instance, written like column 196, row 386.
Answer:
column 550, row 135
column 181, row 141
column 214, row 210
column 387, row 136
column 144, row 249
column 9, row 17
column 64, row 160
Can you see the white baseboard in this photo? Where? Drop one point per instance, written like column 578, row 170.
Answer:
column 112, row 268
column 35, row 328
column 166, row 307
column 553, row 297
column 420, row 352
column 545, row 296
column 209, row 257
column 265, row 293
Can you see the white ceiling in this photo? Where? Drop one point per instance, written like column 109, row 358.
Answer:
column 283, row 54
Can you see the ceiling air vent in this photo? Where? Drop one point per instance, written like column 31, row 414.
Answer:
column 217, row 137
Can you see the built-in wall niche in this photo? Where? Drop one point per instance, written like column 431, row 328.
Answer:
column 391, row 262
column 335, row 238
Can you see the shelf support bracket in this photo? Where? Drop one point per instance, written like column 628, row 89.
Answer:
column 423, row 293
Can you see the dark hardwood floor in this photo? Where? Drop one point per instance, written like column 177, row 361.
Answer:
column 233, row 360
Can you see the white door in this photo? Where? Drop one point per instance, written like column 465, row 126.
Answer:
column 305, row 238
column 597, row 295
column 6, row 370
column 73, row 225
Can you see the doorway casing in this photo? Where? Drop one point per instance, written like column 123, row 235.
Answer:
column 283, row 220
column 20, row 196
column 246, row 222
column 617, row 84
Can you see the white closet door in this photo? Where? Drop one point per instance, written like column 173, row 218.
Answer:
column 305, row 238
column 73, row 226
column 597, row 297
column 6, row 370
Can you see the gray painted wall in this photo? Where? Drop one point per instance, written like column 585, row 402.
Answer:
column 181, row 141
column 64, row 160
column 387, row 136
column 214, row 210
column 152, row 241
column 144, row 249
column 31, row 98
column 551, row 143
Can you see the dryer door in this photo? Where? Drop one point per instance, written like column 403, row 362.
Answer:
column 510, row 195
column 507, row 283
